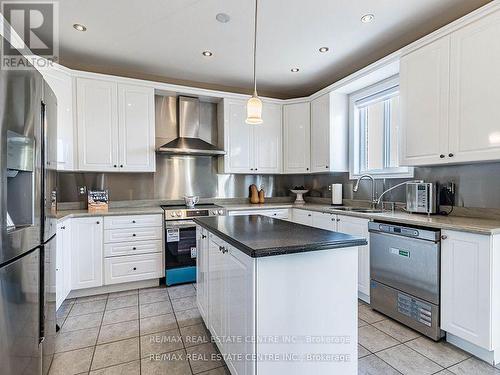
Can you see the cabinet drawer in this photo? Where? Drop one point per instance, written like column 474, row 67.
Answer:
column 133, row 221
column 132, row 248
column 132, row 234
column 132, row 268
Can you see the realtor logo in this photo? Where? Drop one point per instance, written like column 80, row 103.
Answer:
column 31, row 35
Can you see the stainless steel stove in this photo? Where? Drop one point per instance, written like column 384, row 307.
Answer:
column 181, row 212
column 180, row 240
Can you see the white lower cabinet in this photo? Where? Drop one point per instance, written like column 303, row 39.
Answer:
column 133, row 248
column 63, row 261
column 86, row 252
column 303, row 217
column 324, row 220
column 466, row 284
column 132, row 268
column 282, row 213
column 356, row 226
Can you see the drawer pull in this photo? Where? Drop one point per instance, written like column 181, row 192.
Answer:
column 134, row 248
column 444, row 237
column 133, row 221
column 203, row 236
column 135, row 268
column 98, row 222
column 133, row 235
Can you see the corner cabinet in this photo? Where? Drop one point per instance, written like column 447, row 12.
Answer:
column 329, row 133
column 449, row 97
column 251, row 149
column 297, row 138
column 87, row 252
column 115, row 124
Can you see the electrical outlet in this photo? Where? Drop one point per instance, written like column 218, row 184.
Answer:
column 82, row 190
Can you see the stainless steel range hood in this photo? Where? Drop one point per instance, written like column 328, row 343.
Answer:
column 188, row 141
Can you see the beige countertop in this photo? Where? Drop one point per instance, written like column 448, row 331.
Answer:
column 65, row 214
column 460, row 223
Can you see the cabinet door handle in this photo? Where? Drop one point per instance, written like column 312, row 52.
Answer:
column 63, row 227
column 451, row 155
column 133, row 234
column 203, row 236
column 444, row 237
column 133, row 221
column 220, row 248
column 135, row 268
column 134, row 248
column 326, row 167
column 309, row 215
column 307, row 169
column 121, row 165
column 338, row 219
column 98, row 222
column 441, row 156
column 115, row 166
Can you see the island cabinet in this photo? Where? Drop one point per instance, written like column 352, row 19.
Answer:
column 269, row 314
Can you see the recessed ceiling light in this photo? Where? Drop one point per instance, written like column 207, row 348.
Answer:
column 324, row 49
column 294, row 70
column 367, row 18
column 207, row 53
column 222, row 17
column 80, row 27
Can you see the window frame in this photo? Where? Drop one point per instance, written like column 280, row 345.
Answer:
column 382, row 88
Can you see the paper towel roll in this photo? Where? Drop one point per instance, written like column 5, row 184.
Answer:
column 337, row 194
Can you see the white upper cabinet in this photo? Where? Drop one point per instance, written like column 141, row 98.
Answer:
column 268, row 140
column 252, row 149
column 474, row 94
column 329, row 133
column 136, row 128
column 115, row 126
column 61, row 84
column 97, row 122
column 449, row 97
column 424, row 90
column 297, row 138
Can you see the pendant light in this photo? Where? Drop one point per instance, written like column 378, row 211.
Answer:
column 254, row 104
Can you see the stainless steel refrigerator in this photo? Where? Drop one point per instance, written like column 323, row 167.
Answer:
column 28, row 223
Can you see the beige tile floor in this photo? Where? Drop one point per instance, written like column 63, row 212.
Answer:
column 160, row 331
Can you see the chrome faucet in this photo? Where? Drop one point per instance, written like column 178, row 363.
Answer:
column 356, row 187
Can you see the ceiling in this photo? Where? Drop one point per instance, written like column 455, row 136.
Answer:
column 164, row 39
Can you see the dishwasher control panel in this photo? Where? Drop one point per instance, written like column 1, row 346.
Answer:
column 415, row 309
column 410, row 232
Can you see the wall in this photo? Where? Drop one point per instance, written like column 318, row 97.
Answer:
column 477, row 184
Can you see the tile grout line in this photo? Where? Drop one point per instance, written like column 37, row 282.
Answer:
column 139, row 325
column 98, row 334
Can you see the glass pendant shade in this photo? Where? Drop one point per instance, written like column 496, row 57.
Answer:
column 254, row 110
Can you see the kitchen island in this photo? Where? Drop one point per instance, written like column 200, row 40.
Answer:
column 278, row 297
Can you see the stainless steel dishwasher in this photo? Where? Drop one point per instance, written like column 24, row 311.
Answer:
column 405, row 275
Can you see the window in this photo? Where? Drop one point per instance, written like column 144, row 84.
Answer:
column 374, row 118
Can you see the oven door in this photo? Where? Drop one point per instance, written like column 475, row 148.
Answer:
column 180, row 244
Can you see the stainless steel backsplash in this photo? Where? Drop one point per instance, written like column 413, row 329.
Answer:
column 478, row 185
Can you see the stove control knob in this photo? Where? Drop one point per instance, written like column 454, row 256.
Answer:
column 179, row 214
column 221, row 212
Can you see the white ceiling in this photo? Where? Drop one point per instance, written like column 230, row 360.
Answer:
column 163, row 39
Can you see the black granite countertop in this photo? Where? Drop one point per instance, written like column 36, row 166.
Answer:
column 261, row 236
